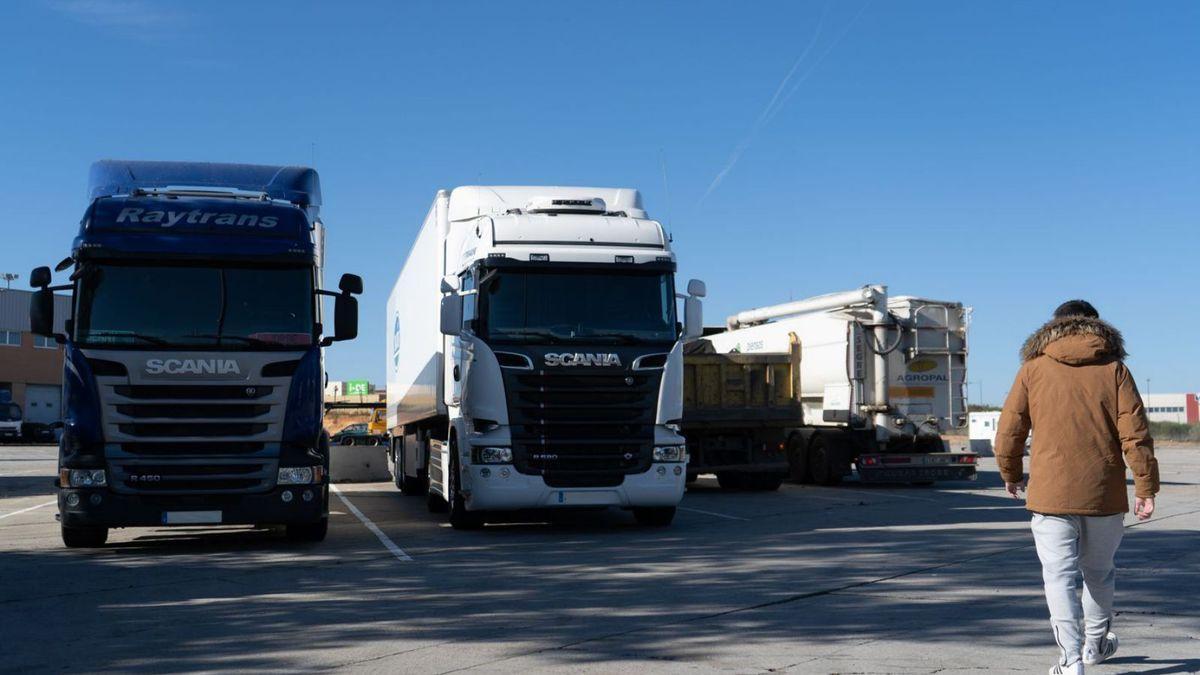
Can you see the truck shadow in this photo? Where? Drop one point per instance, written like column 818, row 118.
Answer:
column 796, row 576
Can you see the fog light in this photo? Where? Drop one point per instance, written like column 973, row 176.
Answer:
column 73, row 499
column 286, row 496
column 495, row 455
column 678, row 470
column 95, row 499
column 662, row 470
column 670, row 453
column 485, row 472
column 296, row 475
column 504, row 473
column 307, row 495
column 84, row 478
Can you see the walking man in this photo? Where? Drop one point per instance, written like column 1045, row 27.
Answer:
column 1075, row 393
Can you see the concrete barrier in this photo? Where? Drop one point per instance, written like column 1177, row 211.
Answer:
column 358, row 464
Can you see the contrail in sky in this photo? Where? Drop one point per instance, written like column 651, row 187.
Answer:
column 777, row 103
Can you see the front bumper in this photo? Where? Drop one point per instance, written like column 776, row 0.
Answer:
column 9, row 434
column 119, row 510
column 500, row 492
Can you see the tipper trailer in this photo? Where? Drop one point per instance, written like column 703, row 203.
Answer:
column 881, row 379
column 194, row 373
column 534, row 359
column 739, row 411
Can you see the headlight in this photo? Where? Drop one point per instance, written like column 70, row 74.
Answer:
column 670, row 453
column 82, row 478
column 299, row 475
column 495, row 455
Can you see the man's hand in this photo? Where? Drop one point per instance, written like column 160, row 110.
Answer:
column 1015, row 489
column 1143, row 507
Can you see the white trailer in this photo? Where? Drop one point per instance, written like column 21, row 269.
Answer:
column 534, row 358
column 881, row 379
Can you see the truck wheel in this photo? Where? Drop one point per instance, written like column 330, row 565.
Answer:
column 731, row 480
column 84, row 537
column 460, row 517
column 409, row 486
column 821, row 467
column 308, row 532
column 654, row 516
column 797, row 456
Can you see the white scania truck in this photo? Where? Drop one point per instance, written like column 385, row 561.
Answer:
column 534, row 357
column 881, row 379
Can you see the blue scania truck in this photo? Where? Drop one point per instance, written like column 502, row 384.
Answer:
column 194, row 376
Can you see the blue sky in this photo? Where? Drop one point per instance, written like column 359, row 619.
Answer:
column 1007, row 155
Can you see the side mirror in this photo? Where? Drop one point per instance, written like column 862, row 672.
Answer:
column 40, row 277
column 345, row 317
column 41, row 311
column 351, row 283
column 693, row 317
column 697, row 289
column 449, row 284
column 452, row 314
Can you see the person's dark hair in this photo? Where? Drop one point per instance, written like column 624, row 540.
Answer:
column 1076, row 308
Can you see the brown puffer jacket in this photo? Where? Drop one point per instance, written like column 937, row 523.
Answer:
column 1084, row 409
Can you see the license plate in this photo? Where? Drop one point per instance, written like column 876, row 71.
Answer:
column 191, row 517
column 589, row 498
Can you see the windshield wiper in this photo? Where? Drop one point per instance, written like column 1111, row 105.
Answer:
column 243, row 338
column 625, row 338
column 535, row 333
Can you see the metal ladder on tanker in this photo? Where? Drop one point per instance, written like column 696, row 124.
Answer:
column 953, row 394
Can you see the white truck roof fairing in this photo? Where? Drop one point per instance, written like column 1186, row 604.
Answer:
column 472, row 201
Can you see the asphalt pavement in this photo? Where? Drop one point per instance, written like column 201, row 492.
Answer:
column 848, row 579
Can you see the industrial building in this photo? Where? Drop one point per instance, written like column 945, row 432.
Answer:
column 1181, row 408
column 31, row 366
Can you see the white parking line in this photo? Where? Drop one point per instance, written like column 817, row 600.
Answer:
column 31, row 508
column 711, row 513
column 383, row 538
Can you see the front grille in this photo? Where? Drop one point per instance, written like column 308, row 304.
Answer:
column 193, row 391
column 207, row 476
column 177, row 448
column 196, row 429
column 576, row 427
column 193, row 410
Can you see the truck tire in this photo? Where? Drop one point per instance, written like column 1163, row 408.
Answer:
column 797, row 456
column 84, row 537
column 308, row 532
column 822, row 467
column 460, row 517
column 732, row 480
column 654, row 516
column 409, row 486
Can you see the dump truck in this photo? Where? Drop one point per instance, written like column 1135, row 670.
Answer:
column 881, row 379
column 739, row 411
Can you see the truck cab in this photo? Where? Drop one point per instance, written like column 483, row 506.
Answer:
column 553, row 374
column 194, row 372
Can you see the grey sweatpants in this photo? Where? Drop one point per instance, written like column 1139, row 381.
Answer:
column 1068, row 546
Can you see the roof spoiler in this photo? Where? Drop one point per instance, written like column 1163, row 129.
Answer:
column 298, row 185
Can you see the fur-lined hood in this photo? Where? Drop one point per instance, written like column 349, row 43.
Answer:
column 1075, row 340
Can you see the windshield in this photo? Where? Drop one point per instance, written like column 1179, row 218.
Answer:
column 207, row 307
column 10, row 412
column 574, row 306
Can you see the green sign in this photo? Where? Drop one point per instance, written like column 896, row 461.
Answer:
column 357, row 388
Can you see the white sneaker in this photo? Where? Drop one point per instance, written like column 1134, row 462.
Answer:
column 1098, row 653
column 1073, row 669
